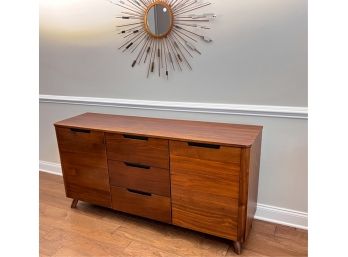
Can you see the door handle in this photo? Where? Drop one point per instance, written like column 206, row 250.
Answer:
column 76, row 130
column 212, row 146
column 136, row 137
column 138, row 192
column 137, row 165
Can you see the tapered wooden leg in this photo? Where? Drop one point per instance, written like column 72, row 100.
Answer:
column 74, row 203
column 237, row 247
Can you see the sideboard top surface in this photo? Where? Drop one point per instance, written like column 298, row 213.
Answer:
column 218, row 133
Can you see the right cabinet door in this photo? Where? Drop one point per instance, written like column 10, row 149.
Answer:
column 205, row 187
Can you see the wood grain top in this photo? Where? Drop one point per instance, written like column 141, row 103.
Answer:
column 182, row 130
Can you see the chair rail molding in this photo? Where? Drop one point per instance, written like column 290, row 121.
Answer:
column 209, row 108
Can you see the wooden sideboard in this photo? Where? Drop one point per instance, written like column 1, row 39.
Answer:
column 197, row 175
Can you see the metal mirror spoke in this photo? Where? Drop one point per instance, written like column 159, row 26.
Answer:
column 164, row 34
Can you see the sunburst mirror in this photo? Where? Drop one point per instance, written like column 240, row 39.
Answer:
column 163, row 34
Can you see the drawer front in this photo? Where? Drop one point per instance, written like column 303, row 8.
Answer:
column 148, row 151
column 86, row 194
column 205, row 193
column 142, row 204
column 80, row 140
column 139, row 177
column 205, row 151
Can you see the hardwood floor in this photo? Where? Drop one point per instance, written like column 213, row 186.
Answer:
column 95, row 231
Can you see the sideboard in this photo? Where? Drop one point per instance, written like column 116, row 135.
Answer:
column 197, row 175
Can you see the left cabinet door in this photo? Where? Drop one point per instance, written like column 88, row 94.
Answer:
column 84, row 165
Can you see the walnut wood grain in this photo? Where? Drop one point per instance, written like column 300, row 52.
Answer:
column 152, row 151
column 81, row 141
column 84, row 165
column 252, row 184
column 149, row 206
column 219, row 133
column 243, row 194
column 149, row 179
column 87, row 176
column 205, row 195
column 250, row 164
column 95, row 160
column 99, row 197
column 217, row 178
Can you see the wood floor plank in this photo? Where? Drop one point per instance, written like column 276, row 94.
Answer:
column 50, row 240
column 268, row 245
column 75, row 244
column 291, row 233
column 74, row 222
column 136, row 249
column 245, row 253
column 264, row 227
column 95, row 231
column 172, row 239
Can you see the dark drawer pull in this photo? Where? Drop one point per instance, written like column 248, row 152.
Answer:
column 85, row 131
column 204, row 145
column 137, row 165
column 138, row 192
column 136, row 137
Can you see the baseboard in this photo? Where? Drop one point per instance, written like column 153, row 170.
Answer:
column 264, row 212
column 209, row 108
column 50, row 167
column 282, row 216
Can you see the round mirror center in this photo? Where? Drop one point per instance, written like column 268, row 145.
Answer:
column 159, row 20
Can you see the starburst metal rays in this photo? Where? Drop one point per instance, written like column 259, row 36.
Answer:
column 172, row 50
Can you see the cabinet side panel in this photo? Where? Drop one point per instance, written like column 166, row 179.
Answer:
column 60, row 158
column 243, row 192
column 254, row 168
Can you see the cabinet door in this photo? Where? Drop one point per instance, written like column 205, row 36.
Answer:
column 205, row 187
column 84, row 165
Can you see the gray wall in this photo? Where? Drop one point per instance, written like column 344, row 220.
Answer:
column 259, row 57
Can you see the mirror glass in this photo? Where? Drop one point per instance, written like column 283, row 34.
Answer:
column 159, row 20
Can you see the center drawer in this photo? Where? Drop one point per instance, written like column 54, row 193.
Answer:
column 138, row 149
column 139, row 177
column 141, row 203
